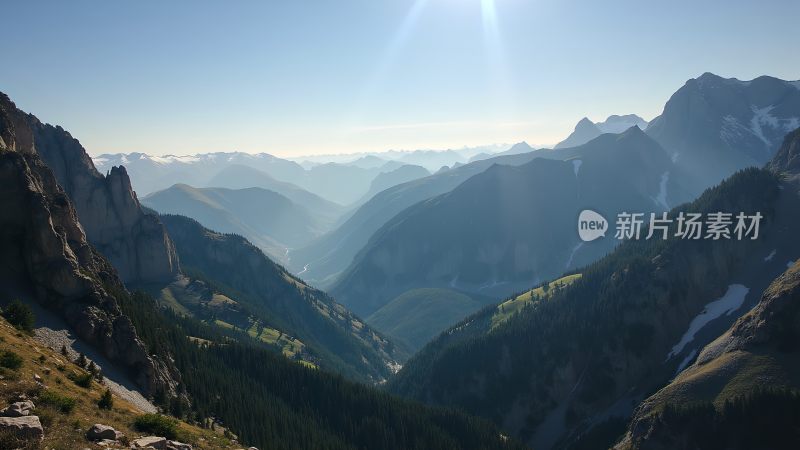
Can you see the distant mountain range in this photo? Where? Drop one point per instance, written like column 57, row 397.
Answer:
column 586, row 130
column 432, row 160
column 510, row 226
column 268, row 219
column 337, row 183
column 340, row 179
column 323, row 260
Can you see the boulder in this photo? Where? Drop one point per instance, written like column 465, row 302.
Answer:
column 26, row 427
column 158, row 443
column 99, row 432
column 175, row 445
column 18, row 409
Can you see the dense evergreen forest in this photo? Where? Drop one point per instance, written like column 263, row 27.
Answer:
column 274, row 403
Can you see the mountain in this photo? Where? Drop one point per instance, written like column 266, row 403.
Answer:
column 340, row 183
column 322, row 260
column 108, row 208
column 516, row 149
column 339, row 340
column 151, row 173
column 509, row 227
column 368, row 162
column 237, row 176
column 337, row 183
column 417, row 316
column 270, row 220
column 569, row 367
column 386, row 180
column 586, row 130
column 617, row 124
column 744, row 389
column 47, row 259
column 713, row 126
column 432, row 159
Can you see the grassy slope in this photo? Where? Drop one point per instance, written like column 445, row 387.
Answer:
column 509, row 307
column 228, row 314
column 418, row 315
column 67, row 430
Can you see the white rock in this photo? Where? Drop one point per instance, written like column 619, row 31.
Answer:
column 28, row 427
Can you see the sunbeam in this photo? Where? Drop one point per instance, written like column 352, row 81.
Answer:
column 390, row 54
column 500, row 88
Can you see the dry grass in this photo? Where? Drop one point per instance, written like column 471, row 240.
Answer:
column 66, row 430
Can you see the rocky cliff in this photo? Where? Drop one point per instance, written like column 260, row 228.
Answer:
column 787, row 160
column 45, row 255
column 109, row 211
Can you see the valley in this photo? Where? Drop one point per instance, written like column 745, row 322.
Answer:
column 408, row 225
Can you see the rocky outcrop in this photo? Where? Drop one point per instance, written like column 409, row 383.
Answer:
column 134, row 242
column 150, row 442
column 27, row 427
column 175, row 445
column 787, row 160
column 18, row 409
column 45, row 255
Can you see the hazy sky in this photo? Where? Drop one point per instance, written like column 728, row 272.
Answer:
column 299, row 77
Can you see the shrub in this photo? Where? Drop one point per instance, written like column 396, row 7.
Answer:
column 20, row 316
column 158, row 425
column 83, row 380
column 61, row 402
column 106, row 400
column 10, row 360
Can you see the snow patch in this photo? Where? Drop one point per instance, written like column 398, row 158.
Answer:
column 770, row 256
column 675, row 157
column 762, row 117
column 733, row 131
column 661, row 198
column 789, row 264
column 305, row 269
column 727, row 304
column 572, row 254
column 576, row 165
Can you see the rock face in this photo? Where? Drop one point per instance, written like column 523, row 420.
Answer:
column 46, row 255
column 714, row 126
column 27, row 427
column 787, row 160
column 135, row 243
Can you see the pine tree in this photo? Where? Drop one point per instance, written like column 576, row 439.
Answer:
column 106, row 400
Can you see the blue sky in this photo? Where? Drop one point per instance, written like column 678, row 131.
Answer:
column 335, row 76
